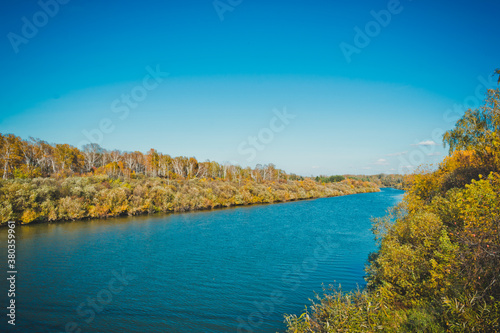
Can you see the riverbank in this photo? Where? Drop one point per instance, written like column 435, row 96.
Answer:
column 76, row 198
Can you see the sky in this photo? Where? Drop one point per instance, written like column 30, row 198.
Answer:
column 312, row 86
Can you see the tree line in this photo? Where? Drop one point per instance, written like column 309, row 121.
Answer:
column 382, row 179
column 34, row 158
column 42, row 182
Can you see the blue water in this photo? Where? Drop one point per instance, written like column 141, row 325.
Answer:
column 233, row 270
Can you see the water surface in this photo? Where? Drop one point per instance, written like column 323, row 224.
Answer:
column 229, row 270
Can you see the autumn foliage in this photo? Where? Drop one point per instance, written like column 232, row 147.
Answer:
column 73, row 198
column 43, row 182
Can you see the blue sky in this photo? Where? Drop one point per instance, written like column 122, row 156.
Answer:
column 234, row 65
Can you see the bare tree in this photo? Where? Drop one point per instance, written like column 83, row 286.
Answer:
column 92, row 154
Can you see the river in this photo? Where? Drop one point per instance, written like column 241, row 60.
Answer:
column 231, row 270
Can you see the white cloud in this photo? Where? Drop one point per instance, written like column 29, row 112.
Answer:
column 426, row 143
column 381, row 161
column 434, row 154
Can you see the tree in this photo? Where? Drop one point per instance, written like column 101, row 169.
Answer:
column 192, row 167
column 153, row 162
column 92, row 153
column 478, row 129
column 68, row 158
column 10, row 154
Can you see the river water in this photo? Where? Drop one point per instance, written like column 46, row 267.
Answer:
column 231, row 270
